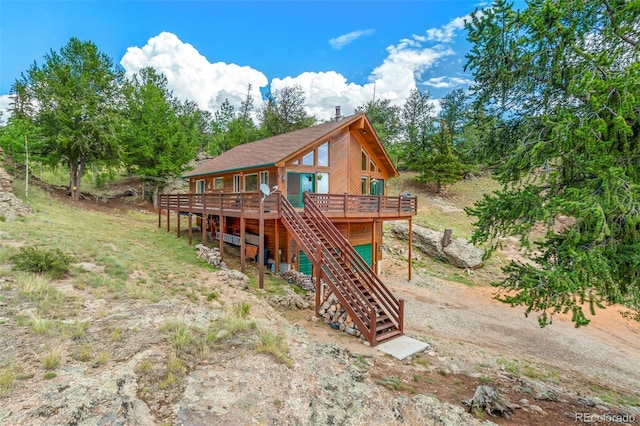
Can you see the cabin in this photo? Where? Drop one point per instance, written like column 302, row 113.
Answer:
column 313, row 200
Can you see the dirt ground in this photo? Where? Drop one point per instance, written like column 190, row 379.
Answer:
column 476, row 340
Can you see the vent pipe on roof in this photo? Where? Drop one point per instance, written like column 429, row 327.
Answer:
column 338, row 116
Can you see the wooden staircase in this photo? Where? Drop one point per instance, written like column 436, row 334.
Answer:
column 376, row 312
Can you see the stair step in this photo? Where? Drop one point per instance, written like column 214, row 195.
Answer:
column 387, row 335
column 384, row 326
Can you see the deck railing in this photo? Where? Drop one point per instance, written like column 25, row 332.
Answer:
column 346, row 204
column 330, row 204
column 233, row 201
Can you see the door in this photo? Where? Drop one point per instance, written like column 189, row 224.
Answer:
column 365, row 252
column 297, row 184
column 304, row 264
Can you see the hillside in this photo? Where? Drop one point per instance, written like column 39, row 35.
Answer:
column 142, row 332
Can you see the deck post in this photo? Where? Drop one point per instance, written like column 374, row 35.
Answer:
column 410, row 244
column 222, row 229
column 401, row 316
column 178, row 219
column 276, row 255
column 243, row 244
column 168, row 216
column 204, row 220
column 374, row 248
column 261, row 244
column 190, row 218
column 160, row 214
column 318, row 275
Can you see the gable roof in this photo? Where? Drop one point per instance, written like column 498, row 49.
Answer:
column 271, row 151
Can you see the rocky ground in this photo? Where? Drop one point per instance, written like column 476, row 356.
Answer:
column 185, row 362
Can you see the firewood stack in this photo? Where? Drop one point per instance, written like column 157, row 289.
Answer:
column 335, row 315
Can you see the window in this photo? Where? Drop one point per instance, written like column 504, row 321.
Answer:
column 251, row 182
column 307, row 160
column 200, row 186
column 264, row 178
column 322, row 183
column 323, row 154
column 236, row 183
column 364, row 190
column 365, row 160
column 218, row 183
column 372, row 166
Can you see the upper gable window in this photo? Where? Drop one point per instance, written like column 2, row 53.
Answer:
column 307, row 160
column 372, row 166
column 365, row 160
column 323, row 154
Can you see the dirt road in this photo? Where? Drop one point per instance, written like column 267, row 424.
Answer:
column 473, row 328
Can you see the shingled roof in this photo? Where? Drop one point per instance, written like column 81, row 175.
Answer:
column 270, row 151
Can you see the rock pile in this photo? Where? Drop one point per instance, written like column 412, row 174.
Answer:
column 10, row 206
column 211, row 256
column 303, row 281
column 292, row 300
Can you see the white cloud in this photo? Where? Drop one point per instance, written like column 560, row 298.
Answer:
column 446, row 33
column 5, row 103
column 340, row 41
column 447, row 82
column 191, row 76
column 326, row 90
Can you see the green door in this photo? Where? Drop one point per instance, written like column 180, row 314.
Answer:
column 365, row 252
column 297, row 184
column 304, row 264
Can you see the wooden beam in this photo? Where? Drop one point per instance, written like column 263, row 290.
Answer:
column 168, row 218
column 261, row 245
column 222, row 229
column 276, row 255
column 243, row 244
column 374, row 248
column 190, row 218
column 178, row 224
column 318, row 268
column 410, row 244
column 203, row 221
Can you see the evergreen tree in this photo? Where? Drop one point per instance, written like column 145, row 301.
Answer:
column 418, row 120
column 569, row 74
column 438, row 162
column 162, row 133
column 385, row 119
column 284, row 111
column 77, row 93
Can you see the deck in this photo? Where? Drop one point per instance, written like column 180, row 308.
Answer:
column 247, row 205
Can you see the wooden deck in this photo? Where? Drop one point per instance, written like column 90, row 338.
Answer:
column 247, row 205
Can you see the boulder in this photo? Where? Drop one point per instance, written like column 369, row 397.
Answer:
column 459, row 252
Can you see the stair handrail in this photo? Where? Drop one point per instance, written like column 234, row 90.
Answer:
column 384, row 297
column 353, row 300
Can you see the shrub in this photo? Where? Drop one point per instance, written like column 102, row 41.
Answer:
column 42, row 261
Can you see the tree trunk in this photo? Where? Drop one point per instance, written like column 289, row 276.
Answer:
column 74, row 182
column 438, row 187
column 156, row 190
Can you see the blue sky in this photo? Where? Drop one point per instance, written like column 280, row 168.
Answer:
column 339, row 52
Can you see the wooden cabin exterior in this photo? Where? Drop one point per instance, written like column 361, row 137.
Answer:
column 336, row 172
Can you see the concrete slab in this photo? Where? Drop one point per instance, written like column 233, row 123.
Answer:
column 402, row 347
